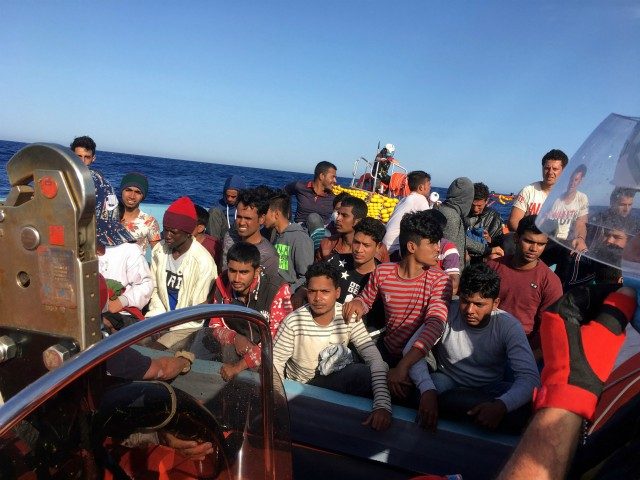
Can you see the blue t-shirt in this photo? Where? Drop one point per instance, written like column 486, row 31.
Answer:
column 174, row 280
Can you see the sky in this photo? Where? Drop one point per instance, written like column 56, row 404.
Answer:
column 462, row 88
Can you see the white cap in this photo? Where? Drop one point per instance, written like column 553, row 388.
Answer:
column 390, row 148
column 434, row 197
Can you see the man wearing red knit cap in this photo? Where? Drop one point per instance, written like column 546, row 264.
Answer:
column 183, row 270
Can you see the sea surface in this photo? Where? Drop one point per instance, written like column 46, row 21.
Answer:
column 170, row 178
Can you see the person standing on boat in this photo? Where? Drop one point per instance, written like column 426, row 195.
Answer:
column 478, row 342
column 528, row 287
column 251, row 211
column 382, row 163
column 415, row 292
column 85, row 149
column 420, row 187
column 182, row 269
column 311, row 347
column 222, row 216
column 144, row 227
column 243, row 283
column 530, row 199
column 483, row 223
column 315, row 196
column 455, row 208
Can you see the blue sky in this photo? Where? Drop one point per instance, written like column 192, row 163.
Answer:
column 475, row 88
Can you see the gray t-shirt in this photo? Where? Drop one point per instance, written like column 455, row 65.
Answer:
column 268, row 254
column 477, row 357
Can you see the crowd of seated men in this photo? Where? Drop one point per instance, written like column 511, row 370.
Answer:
column 447, row 324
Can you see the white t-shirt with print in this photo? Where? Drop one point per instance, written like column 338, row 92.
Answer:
column 531, row 198
column 567, row 213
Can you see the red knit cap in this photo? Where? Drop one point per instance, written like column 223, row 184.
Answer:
column 180, row 215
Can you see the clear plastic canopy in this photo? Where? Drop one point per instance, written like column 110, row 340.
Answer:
column 605, row 170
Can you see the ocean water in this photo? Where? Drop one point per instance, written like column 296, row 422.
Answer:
column 171, row 178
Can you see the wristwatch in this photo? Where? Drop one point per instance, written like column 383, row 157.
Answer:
column 187, row 355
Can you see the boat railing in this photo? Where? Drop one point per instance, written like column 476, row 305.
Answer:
column 34, row 395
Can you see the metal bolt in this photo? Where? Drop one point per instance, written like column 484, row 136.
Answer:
column 30, row 238
column 8, row 348
column 58, row 353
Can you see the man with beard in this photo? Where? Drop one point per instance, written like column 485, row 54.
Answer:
column 315, row 196
column 455, row 208
column 251, row 212
column 478, row 342
column 483, row 223
column 222, row 215
column 527, row 286
column 243, row 284
column 612, row 241
column 144, row 227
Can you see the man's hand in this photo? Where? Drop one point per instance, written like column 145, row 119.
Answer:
column 228, row 371
column 489, row 414
column 399, row 381
column 578, row 245
column 496, row 252
column 115, row 306
column 108, row 325
column 187, row 448
column 242, row 344
column 379, row 419
column 349, row 309
column 428, row 410
column 166, row 368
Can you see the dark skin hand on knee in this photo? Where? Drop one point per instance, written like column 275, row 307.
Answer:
column 428, row 410
column 242, row 345
column 398, row 378
column 229, row 371
column 399, row 382
column 379, row 420
column 489, row 414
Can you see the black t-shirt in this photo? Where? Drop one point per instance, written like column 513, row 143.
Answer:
column 351, row 283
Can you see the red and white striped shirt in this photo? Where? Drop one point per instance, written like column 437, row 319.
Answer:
column 409, row 304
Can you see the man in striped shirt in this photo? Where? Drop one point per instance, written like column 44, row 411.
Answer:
column 306, row 335
column 415, row 292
